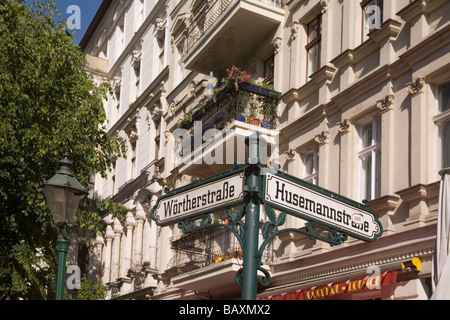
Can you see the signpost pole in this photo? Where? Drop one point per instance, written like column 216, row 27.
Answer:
column 250, row 250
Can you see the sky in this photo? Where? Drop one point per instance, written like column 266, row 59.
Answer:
column 80, row 13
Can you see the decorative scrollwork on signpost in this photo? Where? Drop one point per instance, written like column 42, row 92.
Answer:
column 330, row 217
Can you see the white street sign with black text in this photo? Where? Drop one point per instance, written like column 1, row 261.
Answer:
column 201, row 199
column 328, row 209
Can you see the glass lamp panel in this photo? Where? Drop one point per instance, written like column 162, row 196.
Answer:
column 56, row 201
column 73, row 200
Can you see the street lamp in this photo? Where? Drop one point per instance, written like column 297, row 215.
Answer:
column 62, row 194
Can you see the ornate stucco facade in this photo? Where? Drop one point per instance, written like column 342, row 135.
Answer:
column 362, row 110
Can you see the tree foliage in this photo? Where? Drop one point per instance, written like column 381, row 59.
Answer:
column 89, row 291
column 49, row 105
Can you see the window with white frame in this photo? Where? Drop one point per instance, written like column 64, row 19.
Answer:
column 443, row 121
column 180, row 65
column 372, row 16
column 133, row 160
column 161, row 48
column 269, row 69
column 313, row 48
column 112, row 178
column 120, row 34
column 311, row 166
column 132, row 136
column 370, row 159
column 139, row 14
column 137, row 77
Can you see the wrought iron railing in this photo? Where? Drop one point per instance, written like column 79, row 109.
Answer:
column 247, row 100
column 250, row 103
column 208, row 248
column 207, row 15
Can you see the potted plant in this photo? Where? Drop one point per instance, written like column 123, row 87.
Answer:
column 185, row 121
column 246, row 101
column 145, row 265
column 267, row 107
column 230, row 85
column 240, row 118
column 252, row 119
column 236, row 77
column 253, row 113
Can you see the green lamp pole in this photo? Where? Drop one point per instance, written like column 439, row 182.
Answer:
column 62, row 194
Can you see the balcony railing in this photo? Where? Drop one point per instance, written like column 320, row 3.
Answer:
column 207, row 248
column 207, row 15
column 247, row 102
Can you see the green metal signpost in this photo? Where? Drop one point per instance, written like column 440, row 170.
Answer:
column 254, row 185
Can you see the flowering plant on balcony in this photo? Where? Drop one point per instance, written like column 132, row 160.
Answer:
column 237, row 97
column 137, row 268
column 185, row 120
column 236, row 76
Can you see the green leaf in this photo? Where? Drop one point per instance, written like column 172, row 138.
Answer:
column 270, row 213
column 49, row 105
column 281, row 219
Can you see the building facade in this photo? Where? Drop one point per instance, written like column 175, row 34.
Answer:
column 361, row 95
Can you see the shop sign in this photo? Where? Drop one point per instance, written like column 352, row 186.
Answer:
column 333, row 289
column 309, row 202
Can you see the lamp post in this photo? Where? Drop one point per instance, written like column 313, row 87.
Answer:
column 63, row 193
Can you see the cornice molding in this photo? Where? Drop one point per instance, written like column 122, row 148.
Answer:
column 420, row 192
column 419, row 7
column 427, row 47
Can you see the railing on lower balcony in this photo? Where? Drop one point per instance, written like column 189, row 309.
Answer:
column 207, row 14
column 208, row 248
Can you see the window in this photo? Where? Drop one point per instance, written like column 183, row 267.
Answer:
column 314, row 30
column 180, row 64
column 311, row 167
column 269, row 70
column 372, row 14
column 444, row 124
column 446, row 144
column 140, row 15
column 112, row 184
column 133, row 159
column 83, row 258
column 137, row 76
column 120, row 38
column 116, row 112
column 131, row 152
column 157, row 139
column 161, row 48
column 370, row 159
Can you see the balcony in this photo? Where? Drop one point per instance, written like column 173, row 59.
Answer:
column 214, row 134
column 226, row 32
column 207, row 261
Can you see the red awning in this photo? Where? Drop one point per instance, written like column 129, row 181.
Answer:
column 333, row 289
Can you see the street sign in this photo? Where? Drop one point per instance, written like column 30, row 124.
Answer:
column 201, row 197
column 309, row 202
